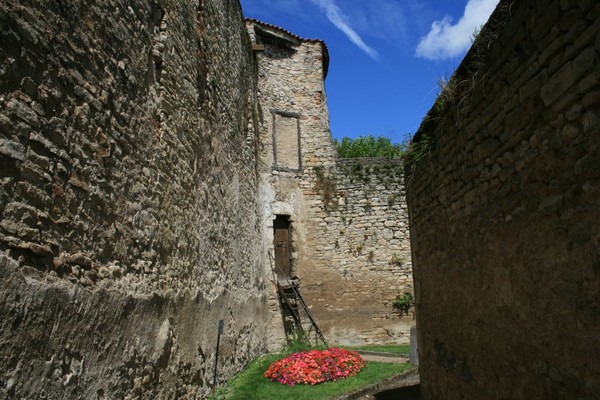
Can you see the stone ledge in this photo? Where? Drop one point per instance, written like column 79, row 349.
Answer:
column 395, row 356
column 407, row 378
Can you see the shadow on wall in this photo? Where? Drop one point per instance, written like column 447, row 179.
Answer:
column 405, row 393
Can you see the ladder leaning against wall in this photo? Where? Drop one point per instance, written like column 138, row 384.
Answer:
column 291, row 298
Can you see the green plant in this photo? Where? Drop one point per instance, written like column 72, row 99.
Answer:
column 371, row 255
column 475, row 33
column 368, row 146
column 219, row 394
column 403, row 303
column 297, row 341
column 447, row 95
column 420, row 148
column 396, row 260
column 357, row 248
column 325, row 185
column 391, row 200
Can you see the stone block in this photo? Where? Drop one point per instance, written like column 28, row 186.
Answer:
column 591, row 100
column 485, row 149
column 12, row 149
column 22, row 111
column 558, row 84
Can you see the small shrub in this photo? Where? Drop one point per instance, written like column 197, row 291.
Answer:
column 396, row 260
column 420, row 149
column 403, row 303
column 357, row 249
column 371, row 255
column 297, row 341
column 391, row 200
column 369, row 146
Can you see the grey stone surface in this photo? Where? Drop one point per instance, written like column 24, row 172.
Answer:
column 350, row 239
column 129, row 212
column 504, row 213
column 137, row 196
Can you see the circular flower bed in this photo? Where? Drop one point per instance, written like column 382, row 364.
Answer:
column 316, row 366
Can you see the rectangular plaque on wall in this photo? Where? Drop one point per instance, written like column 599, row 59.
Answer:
column 287, row 153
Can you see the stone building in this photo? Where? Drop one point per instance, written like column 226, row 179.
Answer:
column 338, row 229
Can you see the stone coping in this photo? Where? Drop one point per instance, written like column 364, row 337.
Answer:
column 406, row 378
column 382, row 354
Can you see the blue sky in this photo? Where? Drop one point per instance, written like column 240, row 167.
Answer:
column 387, row 56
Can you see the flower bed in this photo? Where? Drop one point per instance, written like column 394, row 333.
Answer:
column 316, row 366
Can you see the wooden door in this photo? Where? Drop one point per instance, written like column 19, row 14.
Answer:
column 282, row 247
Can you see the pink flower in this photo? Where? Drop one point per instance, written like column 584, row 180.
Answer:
column 315, row 366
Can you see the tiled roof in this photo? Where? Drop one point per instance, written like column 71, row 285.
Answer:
column 257, row 21
column 323, row 44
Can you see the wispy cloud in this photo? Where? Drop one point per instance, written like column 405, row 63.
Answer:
column 337, row 18
column 271, row 11
column 382, row 19
column 445, row 40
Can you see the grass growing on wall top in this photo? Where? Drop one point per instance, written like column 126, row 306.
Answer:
column 470, row 77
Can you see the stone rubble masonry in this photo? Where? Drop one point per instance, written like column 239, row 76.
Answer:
column 358, row 238
column 504, row 211
column 291, row 80
column 130, row 220
column 349, row 223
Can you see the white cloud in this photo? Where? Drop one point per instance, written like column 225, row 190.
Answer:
column 337, row 18
column 445, row 40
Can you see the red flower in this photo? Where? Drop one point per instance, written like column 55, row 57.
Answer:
column 316, row 366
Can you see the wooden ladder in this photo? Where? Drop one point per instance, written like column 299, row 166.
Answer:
column 294, row 299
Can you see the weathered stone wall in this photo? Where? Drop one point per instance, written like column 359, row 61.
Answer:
column 129, row 214
column 360, row 251
column 505, row 223
column 349, row 225
column 291, row 73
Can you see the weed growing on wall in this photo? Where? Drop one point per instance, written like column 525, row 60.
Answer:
column 403, row 303
column 420, row 149
column 396, row 260
column 468, row 79
column 326, row 187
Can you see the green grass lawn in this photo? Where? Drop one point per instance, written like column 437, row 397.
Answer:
column 383, row 348
column 251, row 384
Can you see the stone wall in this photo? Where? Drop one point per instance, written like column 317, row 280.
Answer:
column 349, row 229
column 359, row 251
column 130, row 221
column 504, row 212
column 291, row 73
